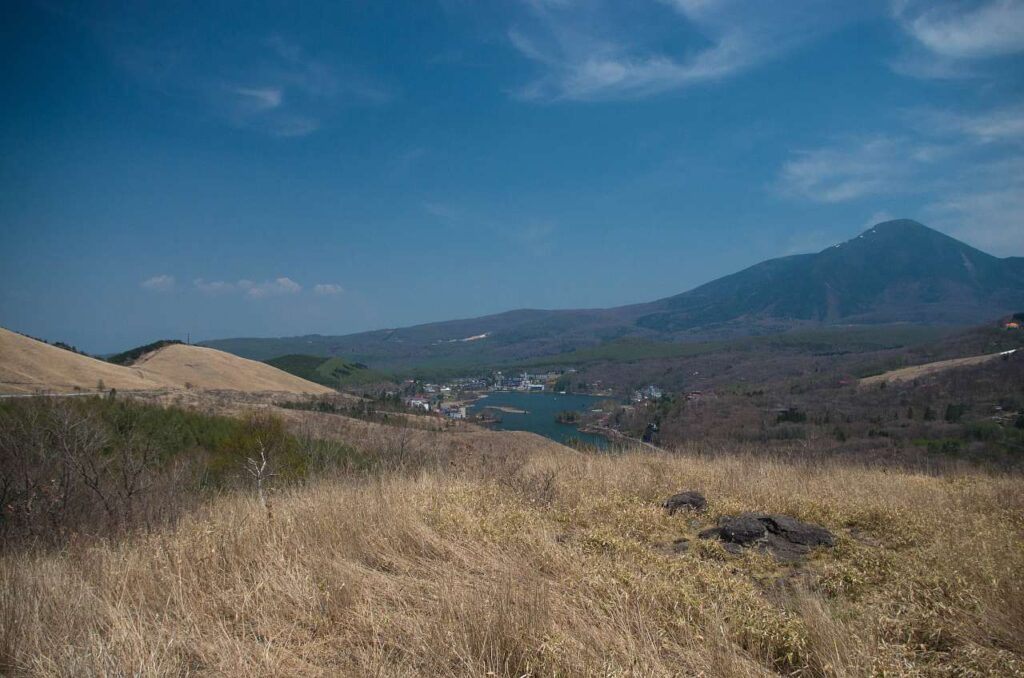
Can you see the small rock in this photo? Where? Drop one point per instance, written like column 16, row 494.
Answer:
column 734, row 549
column 680, row 546
column 690, row 500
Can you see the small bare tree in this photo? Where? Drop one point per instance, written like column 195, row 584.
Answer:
column 259, row 469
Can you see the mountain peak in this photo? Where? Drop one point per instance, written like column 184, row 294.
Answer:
column 906, row 233
column 901, row 228
column 900, row 225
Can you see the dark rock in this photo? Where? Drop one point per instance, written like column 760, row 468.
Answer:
column 734, row 549
column 689, row 501
column 744, row 530
column 786, row 538
column 710, row 533
column 680, row 546
column 756, row 515
column 785, row 551
column 798, row 532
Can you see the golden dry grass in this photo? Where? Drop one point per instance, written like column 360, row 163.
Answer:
column 550, row 566
column 27, row 366
column 918, row 371
column 207, row 368
column 30, row 366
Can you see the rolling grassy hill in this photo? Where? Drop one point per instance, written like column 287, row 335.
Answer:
column 29, row 366
column 896, row 272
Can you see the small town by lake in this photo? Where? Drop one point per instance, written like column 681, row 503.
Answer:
column 537, row 413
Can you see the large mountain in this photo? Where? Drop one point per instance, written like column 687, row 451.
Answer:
column 895, row 272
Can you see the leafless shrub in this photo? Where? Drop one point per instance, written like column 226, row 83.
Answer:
column 65, row 472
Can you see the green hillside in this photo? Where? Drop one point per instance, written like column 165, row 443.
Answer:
column 332, row 372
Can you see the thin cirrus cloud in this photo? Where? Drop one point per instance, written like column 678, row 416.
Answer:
column 586, row 52
column 158, row 283
column 289, row 93
column 267, row 84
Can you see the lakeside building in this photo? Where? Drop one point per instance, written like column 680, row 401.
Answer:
column 454, row 411
column 417, row 403
column 652, row 392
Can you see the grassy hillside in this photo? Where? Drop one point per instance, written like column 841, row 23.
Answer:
column 332, row 372
column 402, row 548
column 544, row 564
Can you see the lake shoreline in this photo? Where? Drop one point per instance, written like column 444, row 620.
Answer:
column 538, row 413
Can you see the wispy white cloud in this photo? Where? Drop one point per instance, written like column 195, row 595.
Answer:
column 965, row 171
column 954, row 39
column 255, row 290
column 213, row 286
column 267, row 84
column 1005, row 124
column 588, row 52
column 327, row 289
column 964, row 30
column 270, row 288
column 159, row 283
column 985, row 206
column 854, row 169
column 260, row 99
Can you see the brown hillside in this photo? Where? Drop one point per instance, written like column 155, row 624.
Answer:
column 208, row 368
column 29, row 366
column 918, row 371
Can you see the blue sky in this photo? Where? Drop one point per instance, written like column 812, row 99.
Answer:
column 271, row 169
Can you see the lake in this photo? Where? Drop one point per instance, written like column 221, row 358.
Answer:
column 540, row 411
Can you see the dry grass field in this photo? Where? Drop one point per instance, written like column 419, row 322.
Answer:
column 27, row 366
column 542, row 563
column 206, row 368
column 30, row 366
column 918, row 371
